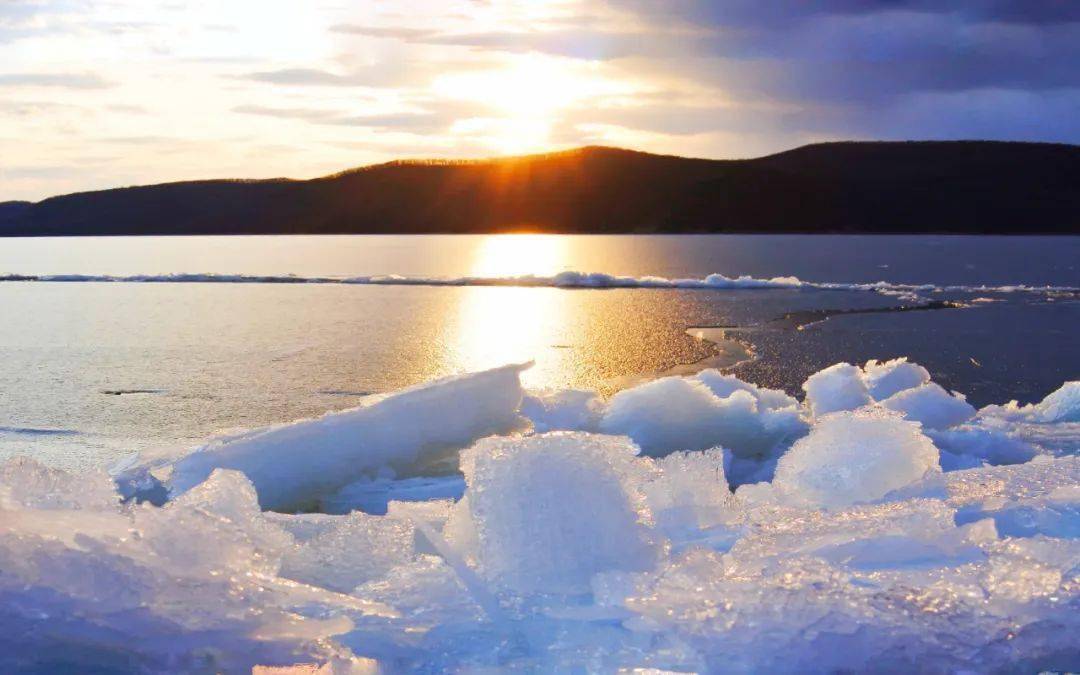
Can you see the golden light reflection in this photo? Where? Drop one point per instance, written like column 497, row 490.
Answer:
column 515, row 255
column 500, row 325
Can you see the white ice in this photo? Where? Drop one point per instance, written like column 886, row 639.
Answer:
column 292, row 464
column 566, row 279
column 572, row 550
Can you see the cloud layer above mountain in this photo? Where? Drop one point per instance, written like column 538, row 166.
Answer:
column 251, row 88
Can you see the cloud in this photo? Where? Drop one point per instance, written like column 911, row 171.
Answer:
column 60, row 80
column 308, row 77
column 779, row 13
column 579, row 44
column 306, row 114
column 430, row 117
column 862, row 68
column 392, row 73
column 393, row 32
column 716, row 78
column 410, row 122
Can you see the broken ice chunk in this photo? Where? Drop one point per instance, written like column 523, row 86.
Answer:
column 853, row 457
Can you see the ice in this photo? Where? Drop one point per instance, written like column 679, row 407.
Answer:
column 565, row 410
column 725, row 385
column 349, row 550
column 672, row 413
column 375, row 495
column 25, row 483
column 979, row 444
column 1050, row 427
column 690, row 494
column 886, row 378
column 706, row 411
column 91, row 586
column 295, row 464
column 931, row 406
column 838, row 387
column 1062, row 405
column 852, row 457
column 566, row 279
column 552, row 510
column 571, row 551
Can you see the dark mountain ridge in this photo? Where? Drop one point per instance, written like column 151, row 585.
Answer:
column 871, row 187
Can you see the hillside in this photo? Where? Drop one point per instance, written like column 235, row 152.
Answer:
column 961, row 187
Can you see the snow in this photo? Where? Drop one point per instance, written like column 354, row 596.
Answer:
column 575, row 550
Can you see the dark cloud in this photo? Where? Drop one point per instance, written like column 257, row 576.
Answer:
column 846, row 48
column 777, row 13
column 861, row 68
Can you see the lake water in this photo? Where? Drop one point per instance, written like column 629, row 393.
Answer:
column 94, row 371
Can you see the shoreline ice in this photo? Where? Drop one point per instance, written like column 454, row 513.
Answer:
column 689, row 524
column 567, row 280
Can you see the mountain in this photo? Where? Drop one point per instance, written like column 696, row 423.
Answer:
column 873, row 187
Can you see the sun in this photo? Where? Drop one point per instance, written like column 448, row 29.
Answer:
column 524, row 100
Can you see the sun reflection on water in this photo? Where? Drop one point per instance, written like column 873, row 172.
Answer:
column 500, row 325
column 515, row 255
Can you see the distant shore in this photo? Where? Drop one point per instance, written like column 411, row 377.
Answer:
column 924, row 187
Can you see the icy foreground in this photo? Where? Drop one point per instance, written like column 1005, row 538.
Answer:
column 882, row 524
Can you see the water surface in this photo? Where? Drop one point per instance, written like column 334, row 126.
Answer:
column 94, row 371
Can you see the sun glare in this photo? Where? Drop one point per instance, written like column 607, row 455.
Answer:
column 525, row 100
column 513, row 255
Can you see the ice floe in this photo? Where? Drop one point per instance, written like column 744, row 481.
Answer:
column 879, row 525
column 292, row 463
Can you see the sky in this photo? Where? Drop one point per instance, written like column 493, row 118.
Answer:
column 103, row 93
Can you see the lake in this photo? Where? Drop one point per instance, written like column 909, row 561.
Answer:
column 94, row 371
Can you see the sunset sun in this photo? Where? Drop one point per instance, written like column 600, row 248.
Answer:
column 525, row 101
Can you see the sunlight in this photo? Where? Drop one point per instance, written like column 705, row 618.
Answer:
column 513, row 255
column 526, row 97
column 497, row 326
column 532, row 86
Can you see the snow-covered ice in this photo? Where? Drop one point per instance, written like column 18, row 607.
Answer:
column 882, row 524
